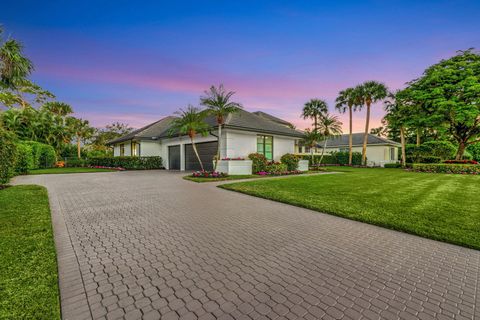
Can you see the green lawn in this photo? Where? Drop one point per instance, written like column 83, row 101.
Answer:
column 67, row 170
column 436, row 206
column 28, row 272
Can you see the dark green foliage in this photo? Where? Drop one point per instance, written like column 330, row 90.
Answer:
column 276, row 168
column 291, row 161
column 467, row 156
column 448, row 168
column 8, row 156
column 259, row 162
column 24, row 158
column 474, row 150
column 43, row 154
column 335, row 158
column 70, row 151
column 76, row 163
column 430, row 152
column 129, row 163
column 392, row 165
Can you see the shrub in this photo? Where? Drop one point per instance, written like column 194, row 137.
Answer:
column 43, row 155
column 430, row 159
column 461, row 161
column 392, row 165
column 447, row 168
column 209, row 174
column 467, row 156
column 474, row 150
column 441, row 149
column 130, row 163
column 291, row 161
column 276, row 168
column 24, row 158
column 259, row 162
column 340, row 157
column 8, row 156
column 79, row 163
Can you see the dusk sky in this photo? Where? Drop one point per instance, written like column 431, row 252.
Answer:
column 136, row 62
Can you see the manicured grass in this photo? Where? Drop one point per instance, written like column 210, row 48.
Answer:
column 436, row 206
column 28, row 272
column 67, row 170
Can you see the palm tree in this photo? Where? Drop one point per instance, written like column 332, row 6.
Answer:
column 328, row 126
column 82, row 130
column 217, row 101
column 191, row 122
column 370, row 92
column 310, row 139
column 14, row 66
column 348, row 99
column 313, row 109
column 58, row 108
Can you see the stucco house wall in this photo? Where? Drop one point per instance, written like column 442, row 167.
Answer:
column 377, row 155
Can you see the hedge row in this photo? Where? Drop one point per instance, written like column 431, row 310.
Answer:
column 447, row 168
column 8, row 155
column 335, row 158
column 33, row 155
column 129, row 163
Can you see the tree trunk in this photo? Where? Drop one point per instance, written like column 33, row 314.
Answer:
column 196, row 153
column 365, row 137
column 418, row 138
column 461, row 150
column 323, row 150
column 402, row 140
column 78, row 148
column 218, row 147
column 350, row 138
column 311, row 154
column 315, row 128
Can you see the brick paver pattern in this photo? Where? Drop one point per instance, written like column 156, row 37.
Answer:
column 150, row 245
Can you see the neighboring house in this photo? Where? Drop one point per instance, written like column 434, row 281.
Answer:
column 379, row 150
column 243, row 133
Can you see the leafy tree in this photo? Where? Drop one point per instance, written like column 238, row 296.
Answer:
column 191, row 122
column 219, row 104
column 311, row 139
column 25, row 94
column 328, row 126
column 313, row 109
column 58, row 108
column 449, row 95
column 82, row 131
column 370, row 92
column 348, row 100
column 111, row 131
column 14, row 66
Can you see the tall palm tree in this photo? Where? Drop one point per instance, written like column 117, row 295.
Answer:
column 191, row 122
column 14, row 66
column 328, row 126
column 310, row 139
column 313, row 109
column 217, row 101
column 83, row 131
column 370, row 92
column 348, row 99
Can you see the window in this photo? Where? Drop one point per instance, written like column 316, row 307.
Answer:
column 392, row 154
column 265, row 146
column 122, row 150
column 134, row 150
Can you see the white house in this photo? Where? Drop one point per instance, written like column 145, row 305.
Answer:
column 243, row 133
column 379, row 150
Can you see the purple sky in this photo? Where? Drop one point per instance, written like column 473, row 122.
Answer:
column 138, row 62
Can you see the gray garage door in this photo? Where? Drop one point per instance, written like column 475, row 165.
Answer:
column 174, row 157
column 206, row 151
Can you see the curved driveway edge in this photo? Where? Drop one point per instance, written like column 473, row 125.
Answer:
column 151, row 245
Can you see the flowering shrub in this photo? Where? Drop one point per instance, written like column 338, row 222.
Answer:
column 460, row 162
column 237, row 158
column 259, row 162
column 276, row 167
column 209, row 174
column 290, row 160
column 279, row 173
column 447, row 168
column 60, row 164
column 111, row 168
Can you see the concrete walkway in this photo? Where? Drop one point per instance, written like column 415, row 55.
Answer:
column 151, row 245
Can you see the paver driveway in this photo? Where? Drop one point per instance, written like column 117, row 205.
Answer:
column 149, row 244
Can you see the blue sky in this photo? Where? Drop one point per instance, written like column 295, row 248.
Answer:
column 136, row 61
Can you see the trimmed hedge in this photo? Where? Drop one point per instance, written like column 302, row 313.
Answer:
column 8, row 156
column 447, row 168
column 76, row 163
column 24, row 158
column 335, row 158
column 129, row 163
column 392, row 165
column 43, row 154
